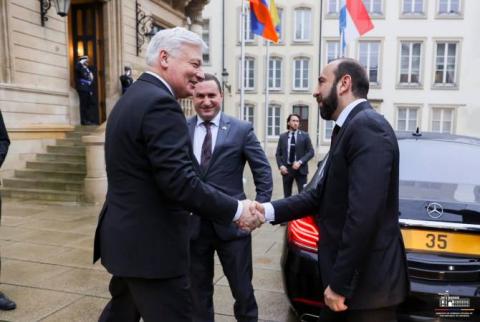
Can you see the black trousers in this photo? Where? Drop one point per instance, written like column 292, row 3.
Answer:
column 155, row 300
column 88, row 108
column 236, row 259
column 300, row 179
column 387, row 314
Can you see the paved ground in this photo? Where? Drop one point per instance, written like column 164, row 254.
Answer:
column 46, row 266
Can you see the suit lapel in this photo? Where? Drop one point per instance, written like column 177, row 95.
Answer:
column 222, row 134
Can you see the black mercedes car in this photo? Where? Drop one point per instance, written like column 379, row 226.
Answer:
column 440, row 223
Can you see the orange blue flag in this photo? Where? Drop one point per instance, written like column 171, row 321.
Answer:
column 264, row 19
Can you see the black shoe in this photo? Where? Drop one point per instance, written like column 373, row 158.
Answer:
column 6, row 304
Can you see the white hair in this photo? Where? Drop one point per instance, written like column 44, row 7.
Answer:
column 171, row 40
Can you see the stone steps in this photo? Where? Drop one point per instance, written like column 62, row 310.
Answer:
column 58, row 185
column 54, row 176
column 43, row 195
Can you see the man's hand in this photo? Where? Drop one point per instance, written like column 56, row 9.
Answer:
column 283, row 170
column 259, row 210
column 249, row 220
column 296, row 165
column 334, row 301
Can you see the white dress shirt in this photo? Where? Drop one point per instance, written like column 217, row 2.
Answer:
column 201, row 132
column 162, row 80
column 289, row 140
column 269, row 210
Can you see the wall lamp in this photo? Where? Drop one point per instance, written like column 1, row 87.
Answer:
column 225, row 81
column 144, row 26
column 62, row 7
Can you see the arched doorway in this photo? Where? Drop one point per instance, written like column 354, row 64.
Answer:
column 86, row 37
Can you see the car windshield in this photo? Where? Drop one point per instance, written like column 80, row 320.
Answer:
column 440, row 170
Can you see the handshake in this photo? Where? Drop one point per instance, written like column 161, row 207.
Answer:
column 253, row 216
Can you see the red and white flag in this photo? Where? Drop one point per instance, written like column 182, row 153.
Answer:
column 354, row 22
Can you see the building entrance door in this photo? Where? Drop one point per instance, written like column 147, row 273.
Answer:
column 86, row 38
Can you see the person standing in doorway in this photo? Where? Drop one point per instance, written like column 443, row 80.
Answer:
column 85, row 81
column 126, row 79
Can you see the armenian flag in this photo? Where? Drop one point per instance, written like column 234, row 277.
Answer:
column 264, row 19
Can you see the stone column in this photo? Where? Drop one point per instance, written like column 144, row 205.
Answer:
column 96, row 178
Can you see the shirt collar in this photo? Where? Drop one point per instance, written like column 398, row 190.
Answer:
column 215, row 120
column 346, row 111
column 162, row 80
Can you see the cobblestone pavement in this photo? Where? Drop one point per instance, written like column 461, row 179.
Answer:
column 46, row 266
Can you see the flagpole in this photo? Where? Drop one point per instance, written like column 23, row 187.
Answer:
column 267, row 45
column 242, row 62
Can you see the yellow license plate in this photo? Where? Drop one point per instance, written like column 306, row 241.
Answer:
column 441, row 242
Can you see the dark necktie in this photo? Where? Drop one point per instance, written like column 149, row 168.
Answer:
column 291, row 155
column 335, row 131
column 206, row 147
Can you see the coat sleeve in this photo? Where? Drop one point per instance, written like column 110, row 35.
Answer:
column 297, row 206
column 258, row 162
column 167, row 140
column 370, row 155
column 279, row 153
column 309, row 151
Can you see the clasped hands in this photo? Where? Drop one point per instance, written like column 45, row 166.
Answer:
column 253, row 216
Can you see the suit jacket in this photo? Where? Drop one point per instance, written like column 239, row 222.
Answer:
column 236, row 144
column 83, row 78
column 360, row 252
column 303, row 150
column 143, row 227
column 4, row 140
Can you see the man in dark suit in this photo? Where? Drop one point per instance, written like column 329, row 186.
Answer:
column 5, row 302
column 221, row 146
column 360, row 252
column 142, row 236
column 294, row 150
column 85, row 90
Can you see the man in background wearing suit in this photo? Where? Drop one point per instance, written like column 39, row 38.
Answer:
column 294, row 150
column 143, row 231
column 221, row 146
column 5, row 302
column 360, row 253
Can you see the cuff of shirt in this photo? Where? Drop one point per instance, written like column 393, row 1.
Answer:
column 269, row 212
column 239, row 211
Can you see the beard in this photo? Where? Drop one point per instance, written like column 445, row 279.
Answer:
column 329, row 104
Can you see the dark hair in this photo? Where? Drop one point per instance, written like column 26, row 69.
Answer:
column 360, row 83
column 211, row 77
column 289, row 117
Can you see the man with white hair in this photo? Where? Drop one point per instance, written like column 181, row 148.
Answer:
column 143, row 232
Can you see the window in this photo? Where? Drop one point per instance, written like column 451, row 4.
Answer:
column 303, row 24
column 301, row 73
column 446, row 63
column 333, row 50
column 369, row 58
column 442, row 120
column 275, row 73
column 374, row 7
column 302, row 110
column 413, row 7
column 449, row 7
column 407, row 119
column 206, row 39
column 334, row 6
column 410, row 60
column 328, row 129
column 249, row 35
column 273, row 128
column 248, row 113
column 249, row 81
